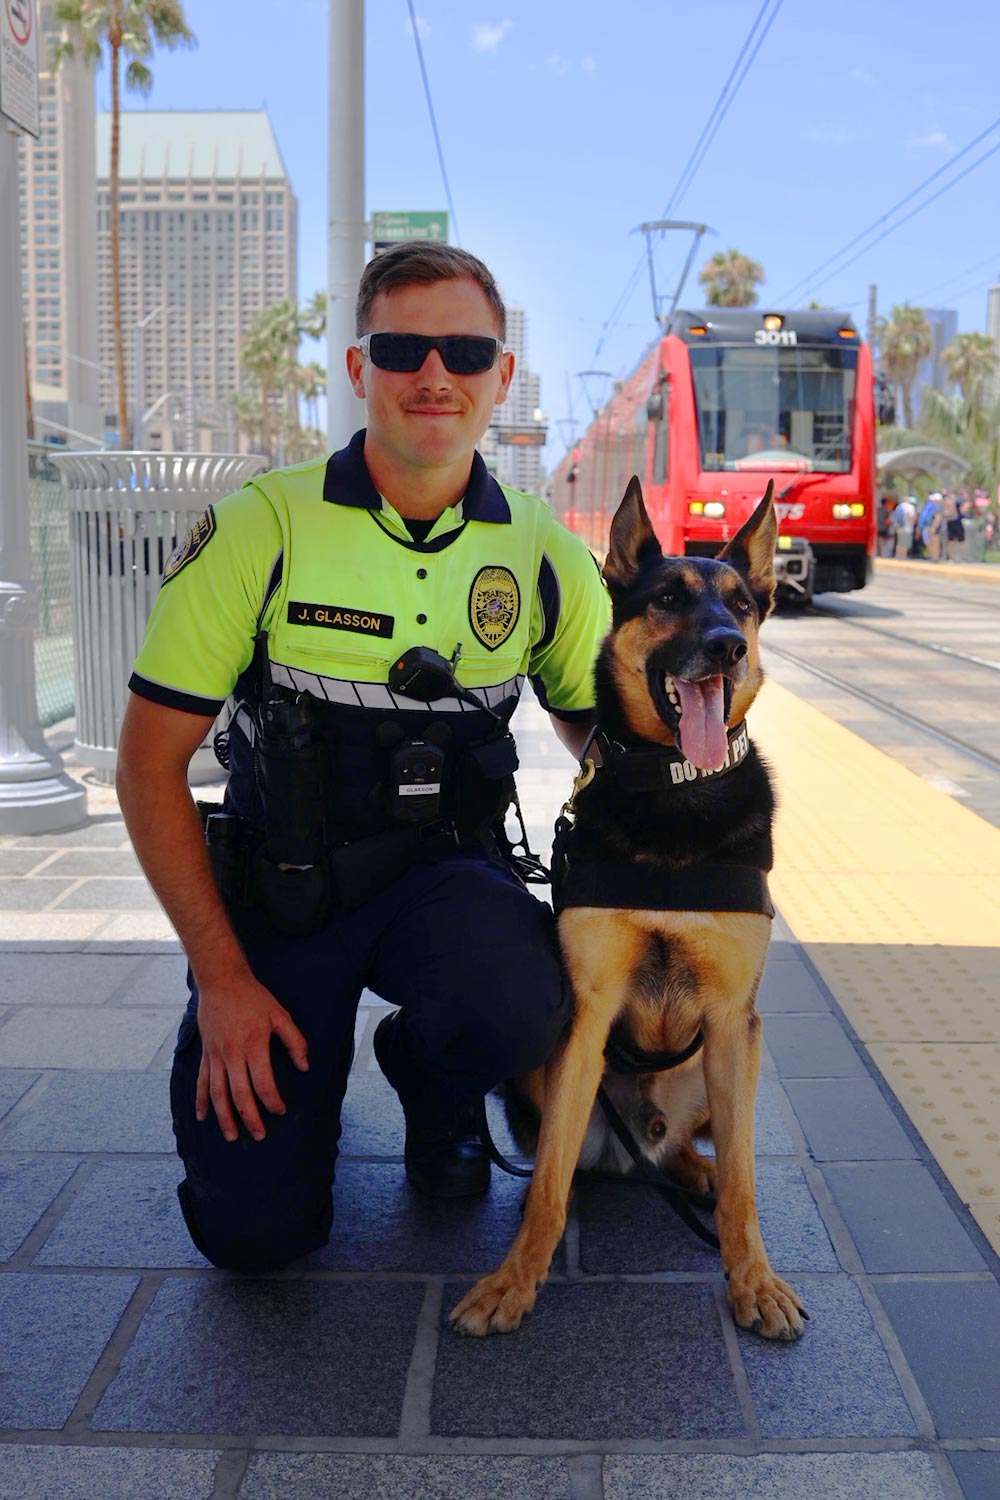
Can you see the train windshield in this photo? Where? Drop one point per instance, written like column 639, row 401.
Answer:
column 772, row 408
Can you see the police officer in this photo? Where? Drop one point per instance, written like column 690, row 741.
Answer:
column 361, row 839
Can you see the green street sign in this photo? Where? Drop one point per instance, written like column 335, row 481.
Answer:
column 391, row 228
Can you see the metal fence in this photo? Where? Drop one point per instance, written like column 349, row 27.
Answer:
column 127, row 513
column 50, row 569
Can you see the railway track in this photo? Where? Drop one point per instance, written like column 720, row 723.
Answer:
column 903, row 640
column 981, row 757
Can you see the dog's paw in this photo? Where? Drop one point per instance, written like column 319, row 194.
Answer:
column 765, row 1304
column 494, row 1305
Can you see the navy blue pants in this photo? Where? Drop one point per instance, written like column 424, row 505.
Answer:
column 469, row 956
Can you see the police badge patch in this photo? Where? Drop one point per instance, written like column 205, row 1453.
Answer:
column 199, row 536
column 494, row 605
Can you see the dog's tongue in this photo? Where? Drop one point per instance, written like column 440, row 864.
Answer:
column 703, row 722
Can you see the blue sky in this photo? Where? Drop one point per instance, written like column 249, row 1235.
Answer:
column 564, row 125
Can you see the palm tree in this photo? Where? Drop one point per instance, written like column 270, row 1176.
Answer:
column 312, row 318
column 269, row 357
column 732, row 279
column 312, row 385
column 130, row 27
column 905, row 338
column 972, row 430
column 970, row 359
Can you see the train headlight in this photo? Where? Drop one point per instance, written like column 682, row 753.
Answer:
column 842, row 512
column 715, row 509
column 696, row 508
column 784, row 544
column 857, row 509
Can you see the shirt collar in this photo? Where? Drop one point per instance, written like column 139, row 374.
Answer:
column 348, row 482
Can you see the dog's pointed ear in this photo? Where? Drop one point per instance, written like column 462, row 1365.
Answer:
column 633, row 540
column 751, row 551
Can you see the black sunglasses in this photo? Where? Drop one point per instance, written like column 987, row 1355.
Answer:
column 462, row 353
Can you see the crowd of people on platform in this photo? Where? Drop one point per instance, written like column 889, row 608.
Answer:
column 934, row 529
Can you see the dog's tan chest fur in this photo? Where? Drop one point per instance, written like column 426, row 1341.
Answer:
column 683, row 968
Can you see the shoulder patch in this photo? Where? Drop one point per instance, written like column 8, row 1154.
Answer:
column 494, row 605
column 199, row 535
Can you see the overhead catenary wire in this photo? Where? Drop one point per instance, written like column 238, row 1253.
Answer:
column 914, row 211
column 988, row 260
column 809, row 282
column 453, row 217
column 724, row 100
column 698, row 154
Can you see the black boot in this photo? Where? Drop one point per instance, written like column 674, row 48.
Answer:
column 445, row 1154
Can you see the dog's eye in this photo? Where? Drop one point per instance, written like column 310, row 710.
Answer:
column 741, row 606
column 669, row 599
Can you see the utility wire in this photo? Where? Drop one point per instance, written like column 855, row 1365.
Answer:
column 989, row 260
column 716, row 115
column 914, row 211
column 807, row 282
column 722, row 105
column 453, row 219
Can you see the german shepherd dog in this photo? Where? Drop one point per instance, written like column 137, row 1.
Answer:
column 679, row 667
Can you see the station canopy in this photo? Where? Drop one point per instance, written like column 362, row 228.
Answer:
column 938, row 462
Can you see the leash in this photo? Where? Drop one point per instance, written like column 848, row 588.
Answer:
column 679, row 1198
column 676, row 1196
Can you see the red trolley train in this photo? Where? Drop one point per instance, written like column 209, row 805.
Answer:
column 727, row 399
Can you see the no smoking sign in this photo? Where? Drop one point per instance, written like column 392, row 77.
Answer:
column 19, row 64
column 19, row 19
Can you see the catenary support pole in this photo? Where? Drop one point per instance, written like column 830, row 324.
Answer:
column 36, row 795
column 346, row 228
column 872, row 330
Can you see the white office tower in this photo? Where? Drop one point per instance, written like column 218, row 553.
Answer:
column 58, row 209
column 509, row 446
column 209, row 226
column 931, row 370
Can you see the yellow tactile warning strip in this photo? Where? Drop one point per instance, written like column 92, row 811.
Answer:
column 971, row 572
column 892, row 887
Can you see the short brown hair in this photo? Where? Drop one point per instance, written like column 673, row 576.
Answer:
column 414, row 261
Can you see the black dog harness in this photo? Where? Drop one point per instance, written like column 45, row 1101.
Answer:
column 639, row 887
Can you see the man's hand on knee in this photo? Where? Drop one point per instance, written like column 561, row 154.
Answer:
column 236, row 1026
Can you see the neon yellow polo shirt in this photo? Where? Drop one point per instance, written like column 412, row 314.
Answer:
column 314, row 556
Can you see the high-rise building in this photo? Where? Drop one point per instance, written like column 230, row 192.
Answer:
column 931, row 371
column 517, row 464
column 58, row 218
column 993, row 332
column 209, row 225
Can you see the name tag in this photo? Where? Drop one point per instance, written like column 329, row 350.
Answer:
column 335, row 617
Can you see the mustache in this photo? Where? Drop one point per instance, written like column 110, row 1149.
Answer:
column 417, row 403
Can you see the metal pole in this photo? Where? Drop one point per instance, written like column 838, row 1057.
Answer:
column 138, row 420
column 346, row 228
column 138, row 438
column 36, row 795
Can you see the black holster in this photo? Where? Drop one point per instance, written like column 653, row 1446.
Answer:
column 230, row 855
column 297, row 900
column 291, row 875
